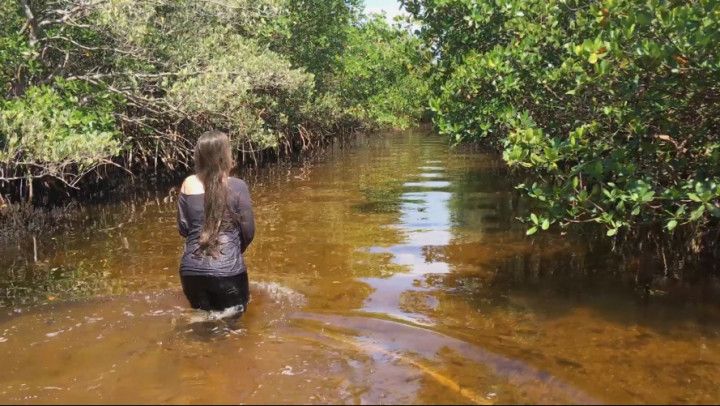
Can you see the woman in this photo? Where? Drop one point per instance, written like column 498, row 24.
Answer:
column 215, row 216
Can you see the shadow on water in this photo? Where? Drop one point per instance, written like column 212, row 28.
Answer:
column 493, row 259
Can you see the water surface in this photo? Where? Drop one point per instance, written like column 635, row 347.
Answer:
column 388, row 271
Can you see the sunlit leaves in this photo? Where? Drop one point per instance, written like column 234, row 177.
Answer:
column 268, row 72
column 53, row 129
column 609, row 106
column 381, row 74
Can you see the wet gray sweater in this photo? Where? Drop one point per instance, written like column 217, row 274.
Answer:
column 234, row 240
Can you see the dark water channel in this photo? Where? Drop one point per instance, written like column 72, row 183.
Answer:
column 391, row 271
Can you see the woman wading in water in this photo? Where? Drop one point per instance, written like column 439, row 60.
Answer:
column 215, row 216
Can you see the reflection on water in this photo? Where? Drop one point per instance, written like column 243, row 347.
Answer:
column 389, row 271
column 424, row 222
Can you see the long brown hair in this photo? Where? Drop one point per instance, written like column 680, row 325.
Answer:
column 213, row 161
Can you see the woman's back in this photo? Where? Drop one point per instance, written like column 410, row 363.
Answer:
column 236, row 233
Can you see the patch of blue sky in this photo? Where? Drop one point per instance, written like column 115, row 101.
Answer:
column 391, row 8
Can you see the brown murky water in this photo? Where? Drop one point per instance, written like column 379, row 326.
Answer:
column 391, row 271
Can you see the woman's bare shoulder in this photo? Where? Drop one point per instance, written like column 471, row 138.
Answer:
column 192, row 186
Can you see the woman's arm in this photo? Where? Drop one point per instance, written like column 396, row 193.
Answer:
column 247, row 219
column 190, row 186
column 182, row 217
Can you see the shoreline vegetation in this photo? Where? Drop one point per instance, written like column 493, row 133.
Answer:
column 96, row 92
column 610, row 110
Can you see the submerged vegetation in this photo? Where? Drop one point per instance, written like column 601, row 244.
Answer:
column 611, row 109
column 90, row 87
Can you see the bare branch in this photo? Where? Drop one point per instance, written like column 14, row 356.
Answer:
column 34, row 30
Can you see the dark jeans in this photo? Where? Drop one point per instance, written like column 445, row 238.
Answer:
column 216, row 292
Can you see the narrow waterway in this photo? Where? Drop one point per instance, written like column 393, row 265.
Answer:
column 391, row 270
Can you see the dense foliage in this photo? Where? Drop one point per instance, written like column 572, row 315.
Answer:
column 612, row 107
column 131, row 83
column 374, row 57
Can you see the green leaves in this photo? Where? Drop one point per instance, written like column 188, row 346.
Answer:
column 542, row 223
column 545, row 224
column 605, row 106
column 697, row 213
column 47, row 129
column 694, row 197
column 270, row 72
column 392, row 63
